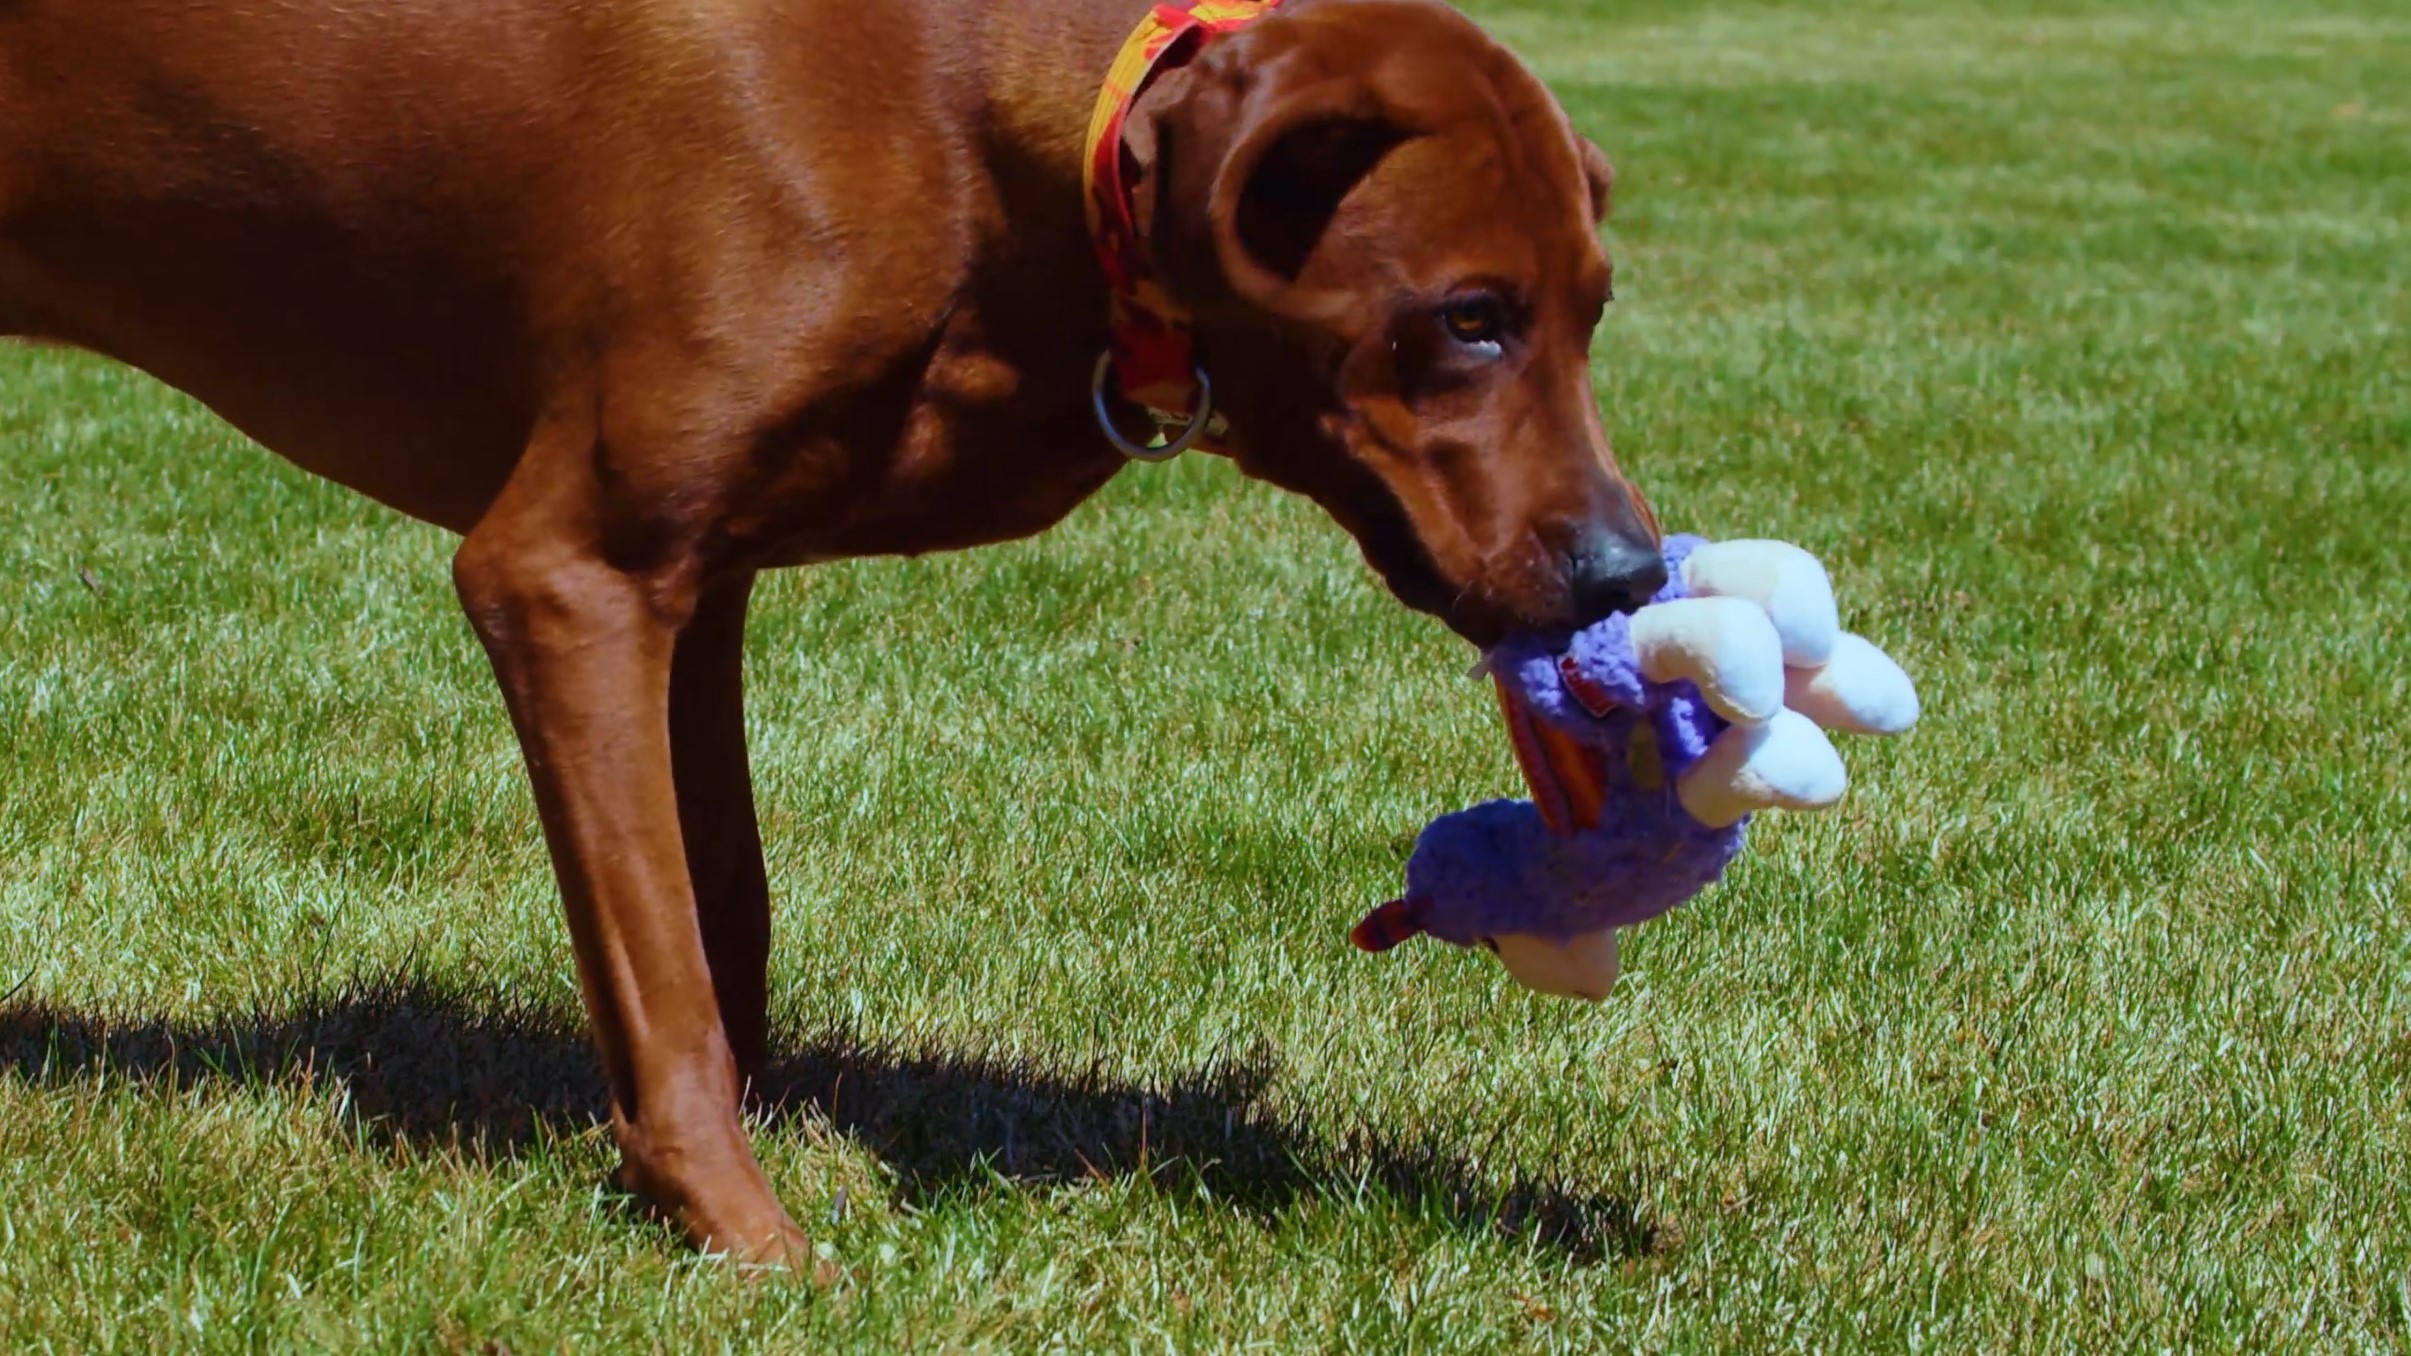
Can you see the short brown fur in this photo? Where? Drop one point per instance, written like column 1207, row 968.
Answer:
column 643, row 297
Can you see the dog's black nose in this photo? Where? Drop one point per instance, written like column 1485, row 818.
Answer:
column 1609, row 573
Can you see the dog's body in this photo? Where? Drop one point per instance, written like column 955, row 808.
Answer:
column 389, row 240
column 643, row 297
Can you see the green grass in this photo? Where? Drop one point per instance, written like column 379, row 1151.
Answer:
column 2072, row 336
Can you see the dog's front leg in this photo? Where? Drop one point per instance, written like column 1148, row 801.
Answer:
column 585, row 648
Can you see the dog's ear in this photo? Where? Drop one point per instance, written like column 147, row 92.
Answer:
column 1292, row 163
column 1601, row 174
column 1244, row 156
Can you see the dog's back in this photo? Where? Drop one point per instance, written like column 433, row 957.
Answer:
column 264, row 205
column 313, row 216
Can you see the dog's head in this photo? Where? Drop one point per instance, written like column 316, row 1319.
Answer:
column 1388, row 231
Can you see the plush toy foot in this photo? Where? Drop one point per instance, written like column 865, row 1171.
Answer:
column 1859, row 691
column 1725, row 647
column 1786, row 763
column 1785, row 583
column 1582, row 967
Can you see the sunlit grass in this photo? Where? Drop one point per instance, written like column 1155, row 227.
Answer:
column 2072, row 336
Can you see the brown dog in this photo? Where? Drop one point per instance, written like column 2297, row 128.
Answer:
column 643, row 297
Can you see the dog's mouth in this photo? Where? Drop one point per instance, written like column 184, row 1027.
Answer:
column 1470, row 609
column 1416, row 580
column 1418, row 585
column 1412, row 577
column 1525, row 588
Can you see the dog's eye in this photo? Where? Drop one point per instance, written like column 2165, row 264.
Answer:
column 1478, row 322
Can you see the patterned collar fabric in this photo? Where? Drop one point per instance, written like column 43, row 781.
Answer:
column 1153, row 350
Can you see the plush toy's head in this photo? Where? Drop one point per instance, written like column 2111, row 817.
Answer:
column 1647, row 740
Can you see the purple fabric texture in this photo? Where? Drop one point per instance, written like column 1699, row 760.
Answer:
column 1498, row 868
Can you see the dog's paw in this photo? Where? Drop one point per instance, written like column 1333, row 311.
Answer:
column 730, row 1215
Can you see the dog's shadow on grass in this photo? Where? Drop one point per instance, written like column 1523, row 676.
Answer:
column 436, row 1069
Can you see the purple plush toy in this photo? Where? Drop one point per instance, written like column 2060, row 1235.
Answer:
column 1647, row 741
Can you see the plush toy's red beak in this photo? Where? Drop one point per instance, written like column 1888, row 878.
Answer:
column 1568, row 779
column 1388, row 925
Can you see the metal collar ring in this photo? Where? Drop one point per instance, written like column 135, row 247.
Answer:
column 1174, row 443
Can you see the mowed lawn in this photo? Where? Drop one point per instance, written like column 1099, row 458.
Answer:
column 2073, row 337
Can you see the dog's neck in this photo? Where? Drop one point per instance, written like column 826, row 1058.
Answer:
column 1044, row 67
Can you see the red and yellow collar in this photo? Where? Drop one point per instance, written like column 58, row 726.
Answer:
column 1151, row 352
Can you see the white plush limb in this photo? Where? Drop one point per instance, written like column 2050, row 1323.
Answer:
column 1785, row 764
column 1583, row 967
column 1858, row 691
column 1725, row 645
column 1783, row 580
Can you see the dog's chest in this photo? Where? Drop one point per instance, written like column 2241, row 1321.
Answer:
column 993, row 441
